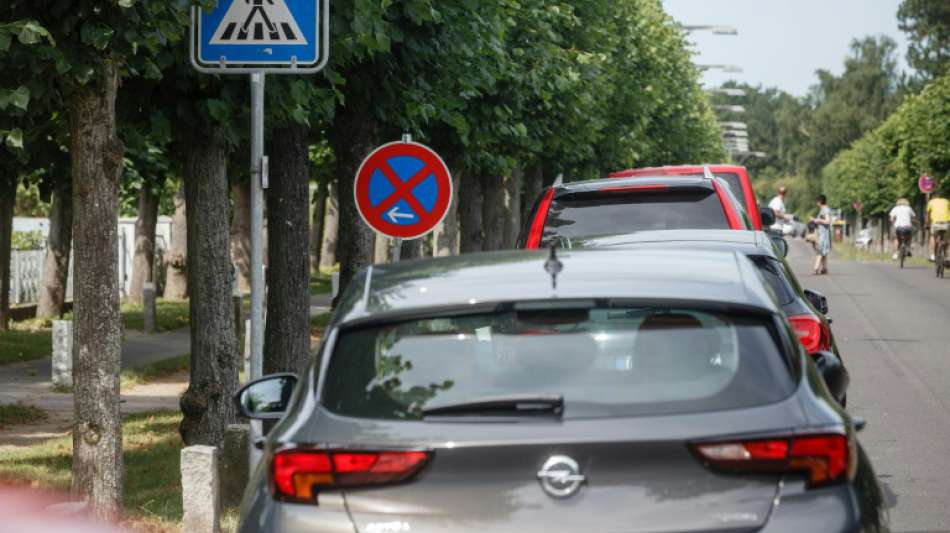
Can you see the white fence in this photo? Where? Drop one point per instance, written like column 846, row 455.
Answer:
column 26, row 276
column 26, row 266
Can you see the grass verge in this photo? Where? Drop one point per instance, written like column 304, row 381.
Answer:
column 844, row 251
column 320, row 283
column 169, row 315
column 24, row 343
column 151, row 451
column 131, row 377
column 20, row 413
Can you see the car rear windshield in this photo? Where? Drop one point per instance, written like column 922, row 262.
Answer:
column 735, row 184
column 603, row 213
column 605, row 362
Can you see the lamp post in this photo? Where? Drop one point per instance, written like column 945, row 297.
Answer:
column 716, row 29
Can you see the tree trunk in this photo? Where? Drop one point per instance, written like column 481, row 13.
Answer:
column 206, row 405
column 470, row 214
column 513, row 208
column 143, row 262
column 316, row 226
column 353, row 136
column 241, row 234
column 287, row 333
column 7, row 203
column 97, row 335
column 381, row 253
column 331, row 228
column 56, row 264
column 493, row 213
column 446, row 239
column 176, row 274
column 533, row 184
column 412, row 249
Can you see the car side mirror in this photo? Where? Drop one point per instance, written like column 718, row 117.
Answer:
column 818, row 300
column 266, row 398
column 834, row 373
column 781, row 244
column 767, row 216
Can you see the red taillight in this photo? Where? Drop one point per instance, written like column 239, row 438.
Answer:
column 812, row 333
column 299, row 474
column 537, row 225
column 635, row 188
column 824, row 459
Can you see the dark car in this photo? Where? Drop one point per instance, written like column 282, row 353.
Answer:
column 624, row 205
column 601, row 391
column 806, row 309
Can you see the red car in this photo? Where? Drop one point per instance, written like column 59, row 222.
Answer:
column 569, row 213
column 736, row 176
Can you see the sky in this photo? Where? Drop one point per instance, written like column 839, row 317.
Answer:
column 781, row 43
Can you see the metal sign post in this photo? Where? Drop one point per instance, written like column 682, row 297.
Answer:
column 256, row 38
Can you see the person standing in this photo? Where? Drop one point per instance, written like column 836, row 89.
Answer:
column 938, row 216
column 823, row 245
column 777, row 205
column 902, row 217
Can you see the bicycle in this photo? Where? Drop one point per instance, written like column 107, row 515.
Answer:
column 940, row 251
column 903, row 237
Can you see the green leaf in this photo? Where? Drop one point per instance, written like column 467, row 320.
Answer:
column 97, row 35
column 15, row 139
column 5, row 40
column 219, row 110
column 20, row 97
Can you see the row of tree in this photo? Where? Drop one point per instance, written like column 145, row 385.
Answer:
column 885, row 164
column 99, row 103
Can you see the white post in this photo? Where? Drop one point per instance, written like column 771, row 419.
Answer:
column 62, row 353
column 200, row 489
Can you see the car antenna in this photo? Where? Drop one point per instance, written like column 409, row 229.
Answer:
column 553, row 266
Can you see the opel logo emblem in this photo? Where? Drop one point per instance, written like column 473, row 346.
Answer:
column 561, row 477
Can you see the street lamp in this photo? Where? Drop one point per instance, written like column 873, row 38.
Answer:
column 716, row 29
column 732, row 69
column 734, row 125
column 730, row 108
column 726, row 91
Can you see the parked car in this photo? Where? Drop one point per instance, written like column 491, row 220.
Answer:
column 632, row 204
column 805, row 309
column 596, row 390
column 736, row 176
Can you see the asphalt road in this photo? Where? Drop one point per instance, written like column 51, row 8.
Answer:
column 893, row 329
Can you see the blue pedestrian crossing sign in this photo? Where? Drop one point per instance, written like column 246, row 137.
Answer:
column 261, row 36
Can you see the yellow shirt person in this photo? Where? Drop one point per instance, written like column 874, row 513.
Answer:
column 938, row 210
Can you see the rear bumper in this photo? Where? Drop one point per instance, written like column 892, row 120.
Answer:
column 839, row 509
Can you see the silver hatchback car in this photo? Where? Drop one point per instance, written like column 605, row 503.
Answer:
column 605, row 390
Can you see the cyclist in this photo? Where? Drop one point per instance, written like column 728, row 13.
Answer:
column 938, row 216
column 902, row 217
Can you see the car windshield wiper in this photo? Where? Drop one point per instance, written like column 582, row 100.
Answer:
column 513, row 405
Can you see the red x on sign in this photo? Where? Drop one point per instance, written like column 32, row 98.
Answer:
column 403, row 190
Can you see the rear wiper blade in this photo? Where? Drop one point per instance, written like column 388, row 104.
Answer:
column 513, row 405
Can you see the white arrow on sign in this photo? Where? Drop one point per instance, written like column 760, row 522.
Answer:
column 394, row 214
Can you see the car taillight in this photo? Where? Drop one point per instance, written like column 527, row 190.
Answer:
column 824, row 459
column 812, row 332
column 299, row 474
column 537, row 225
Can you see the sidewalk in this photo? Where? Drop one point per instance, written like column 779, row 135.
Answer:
column 30, row 383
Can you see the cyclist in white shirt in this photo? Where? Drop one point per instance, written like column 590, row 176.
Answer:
column 777, row 205
column 902, row 217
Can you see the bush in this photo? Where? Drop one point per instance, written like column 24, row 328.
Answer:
column 29, row 240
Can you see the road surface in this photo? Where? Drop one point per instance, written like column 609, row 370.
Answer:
column 893, row 329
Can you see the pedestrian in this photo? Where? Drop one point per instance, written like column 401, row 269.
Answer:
column 938, row 216
column 777, row 205
column 902, row 217
column 823, row 244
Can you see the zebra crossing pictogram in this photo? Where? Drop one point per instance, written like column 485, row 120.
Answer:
column 258, row 22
